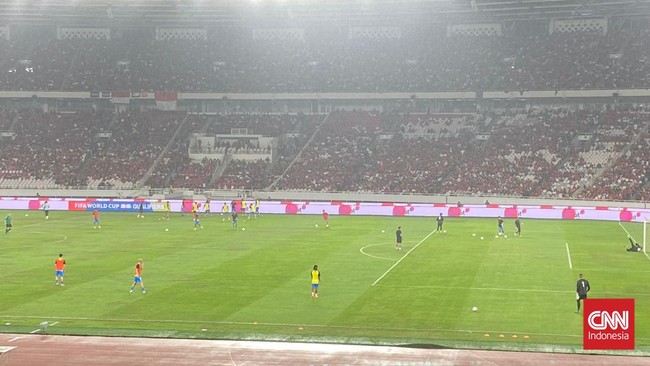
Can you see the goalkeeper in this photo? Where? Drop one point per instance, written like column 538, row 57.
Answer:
column 634, row 247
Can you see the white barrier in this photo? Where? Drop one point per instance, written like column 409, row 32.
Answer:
column 563, row 212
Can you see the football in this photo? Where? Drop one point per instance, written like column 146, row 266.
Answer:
column 316, row 225
column 473, row 234
column 474, row 309
column 166, row 229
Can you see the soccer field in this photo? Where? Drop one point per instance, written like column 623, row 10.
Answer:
column 255, row 284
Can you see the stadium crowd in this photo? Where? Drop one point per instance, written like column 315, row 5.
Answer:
column 329, row 62
column 550, row 152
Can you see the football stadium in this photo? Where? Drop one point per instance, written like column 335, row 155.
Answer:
column 325, row 182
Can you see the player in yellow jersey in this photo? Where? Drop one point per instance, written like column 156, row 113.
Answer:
column 224, row 209
column 167, row 209
column 206, row 207
column 315, row 281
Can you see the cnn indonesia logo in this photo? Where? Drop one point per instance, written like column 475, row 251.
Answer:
column 608, row 324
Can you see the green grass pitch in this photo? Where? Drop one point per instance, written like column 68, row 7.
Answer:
column 254, row 284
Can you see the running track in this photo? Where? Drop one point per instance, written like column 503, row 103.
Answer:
column 48, row 350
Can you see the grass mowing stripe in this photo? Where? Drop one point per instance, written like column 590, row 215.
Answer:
column 401, row 259
column 630, row 235
column 568, row 253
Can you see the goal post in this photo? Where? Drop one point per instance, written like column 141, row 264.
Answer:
column 645, row 233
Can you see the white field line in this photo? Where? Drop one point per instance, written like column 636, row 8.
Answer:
column 14, row 339
column 6, row 349
column 568, row 254
column 401, row 259
column 508, row 289
column 231, row 359
column 374, row 256
column 630, row 235
column 39, row 329
column 169, row 321
column 610, row 270
column 52, row 234
column 480, row 288
column 45, row 222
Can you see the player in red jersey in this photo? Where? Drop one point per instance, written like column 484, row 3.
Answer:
column 59, row 266
column 197, row 223
column 326, row 218
column 96, row 220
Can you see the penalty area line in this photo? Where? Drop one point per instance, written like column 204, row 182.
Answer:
column 522, row 290
column 568, row 254
column 401, row 259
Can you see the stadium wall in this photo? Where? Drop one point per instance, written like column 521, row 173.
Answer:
column 541, row 94
column 9, row 194
column 146, row 193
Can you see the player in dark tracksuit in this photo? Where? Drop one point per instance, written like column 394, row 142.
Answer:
column 582, row 287
column 440, row 221
column 398, row 238
column 518, row 226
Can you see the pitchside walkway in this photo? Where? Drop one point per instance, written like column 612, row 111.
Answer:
column 29, row 350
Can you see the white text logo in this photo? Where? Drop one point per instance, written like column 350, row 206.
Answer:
column 599, row 320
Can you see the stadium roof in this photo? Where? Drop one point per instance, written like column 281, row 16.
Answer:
column 209, row 12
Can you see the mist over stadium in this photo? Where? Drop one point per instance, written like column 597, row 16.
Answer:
column 258, row 119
